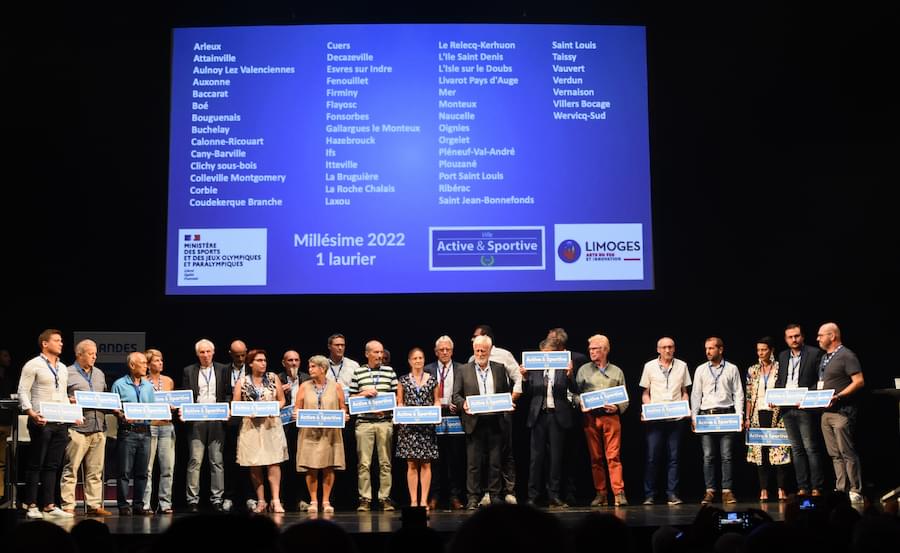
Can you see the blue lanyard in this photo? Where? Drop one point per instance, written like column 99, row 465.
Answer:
column 87, row 376
column 603, row 369
column 319, row 392
column 483, row 376
column 417, row 386
column 793, row 365
column 827, row 359
column 259, row 393
column 207, row 376
column 234, row 378
column 137, row 390
column 716, row 381
column 374, row 375
column 337, row 373
column 52, row 370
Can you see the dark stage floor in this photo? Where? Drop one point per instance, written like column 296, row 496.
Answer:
column 443, row 521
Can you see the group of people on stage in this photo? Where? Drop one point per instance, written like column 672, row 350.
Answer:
column 554, row 410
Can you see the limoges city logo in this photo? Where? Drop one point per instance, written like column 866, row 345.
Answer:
column 569, row 251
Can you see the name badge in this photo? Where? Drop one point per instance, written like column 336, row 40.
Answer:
column 382, row 402
column 606, row 396
column 450, row 425
column 820, row 385
column 417, row 415
column 175, row 398
column 320, row 418
column 727, row 422
column 541, row 360
column 490, row 403
column 98, row 400
column 147, row 411
column 196, row 412
column 254, row 409
column 61, row 412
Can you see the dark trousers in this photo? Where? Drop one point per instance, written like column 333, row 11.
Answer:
column 662, row 436
column 507, row 460
column 446, row 479
column 717, row 446
column 803, row 430
column 45, row 455
column 546, row 433
column 487, row 439
column 133, row 454
column 236, row 483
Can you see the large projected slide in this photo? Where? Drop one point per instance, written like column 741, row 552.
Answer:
column 357, row 159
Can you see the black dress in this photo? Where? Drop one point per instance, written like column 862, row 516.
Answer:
column 417, row 441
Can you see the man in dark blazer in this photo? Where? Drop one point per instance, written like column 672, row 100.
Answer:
column 550, row 415
column 447, row 479
column 798, row 367
column 208, row 381
column 484, row 433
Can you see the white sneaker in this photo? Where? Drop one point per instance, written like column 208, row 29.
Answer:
column 226, row 505
column 57, row 512
column 251, row 505
column 486, row 500
column 34, row 512
column 510, row 499
column 856, row 497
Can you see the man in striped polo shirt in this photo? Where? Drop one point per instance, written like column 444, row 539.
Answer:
column 374, row 430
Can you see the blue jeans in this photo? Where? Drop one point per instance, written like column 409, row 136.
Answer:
column 134, row 456
column 162, row 448
column 803, row 431
column 716, row 445
column 661, row 433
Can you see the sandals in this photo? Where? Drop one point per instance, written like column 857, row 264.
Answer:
column 313, row 507
column 277, row 507
column 261, row 507
column 327, row 508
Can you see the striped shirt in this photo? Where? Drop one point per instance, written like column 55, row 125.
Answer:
column 383, row 379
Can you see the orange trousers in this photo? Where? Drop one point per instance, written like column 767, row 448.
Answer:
column 604, row 439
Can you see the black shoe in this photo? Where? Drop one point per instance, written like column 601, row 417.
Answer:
column 387, row 504
column 193, row 508
column 124, row 511
column 218, row 507
column 472, row 505
column 557, row 505
column 142, row 512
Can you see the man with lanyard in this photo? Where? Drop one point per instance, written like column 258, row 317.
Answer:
column 87, row 441
column 800, row 369
column 340, row 367
column 44, row 379
column 602, row 427
column 133, row 436
column 209, row 382
column 374, row 430
column 235, row 481
column 664, row 379
column 717, row 390
column 448, row 467
column 508, row 360
column 839, row 370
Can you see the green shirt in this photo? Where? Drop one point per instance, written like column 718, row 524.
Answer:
column 590, row 378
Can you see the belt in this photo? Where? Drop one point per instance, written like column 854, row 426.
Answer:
column 139, row 428
column 717, row 411
column 548, row 409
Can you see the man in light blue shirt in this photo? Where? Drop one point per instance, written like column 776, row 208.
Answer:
column 133, row 436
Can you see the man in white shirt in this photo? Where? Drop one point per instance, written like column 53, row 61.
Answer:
column 44, row 380
column 717, row 390
column 664, row 379
column 340, row 367
column 209, row 382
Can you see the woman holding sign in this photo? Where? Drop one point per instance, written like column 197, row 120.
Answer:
column 162, row 438
column 320, row 448
column 261, row 440
column 417, row 443
column 760, row 378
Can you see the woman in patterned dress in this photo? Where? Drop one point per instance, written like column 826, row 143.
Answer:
column 760, row 378
column 417, row 443
column 261, row 440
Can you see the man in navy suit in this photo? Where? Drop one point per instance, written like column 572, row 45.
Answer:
column 798, row 367
column 209, row 382
column 485, row 432
column 451, row 448
column 550, row 414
